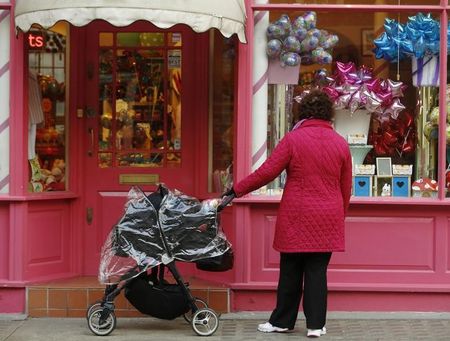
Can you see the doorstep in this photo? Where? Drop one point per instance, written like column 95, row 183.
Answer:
column 72, row 297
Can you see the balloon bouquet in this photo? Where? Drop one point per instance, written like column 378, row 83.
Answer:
column 299, row 40
column 418, row 39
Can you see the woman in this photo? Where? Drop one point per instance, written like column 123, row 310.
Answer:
column 310, row 221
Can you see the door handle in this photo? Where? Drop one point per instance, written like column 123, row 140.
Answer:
column 89, row 215
column 91, row 142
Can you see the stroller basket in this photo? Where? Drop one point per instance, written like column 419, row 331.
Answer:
column 163, row 301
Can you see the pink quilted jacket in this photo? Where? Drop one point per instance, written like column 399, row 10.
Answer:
column 317, row 191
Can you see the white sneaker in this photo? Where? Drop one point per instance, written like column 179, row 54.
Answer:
column 316, row 332
column 268, row 328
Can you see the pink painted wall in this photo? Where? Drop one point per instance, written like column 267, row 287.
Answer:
column 12, row 300
column 4, row 240
column 264, row 300
column 396, row 258
column 47, row 240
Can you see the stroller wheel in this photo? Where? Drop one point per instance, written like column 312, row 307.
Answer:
column 205, row 322
column 95, row 305
column 200, row 304
column 100, row 326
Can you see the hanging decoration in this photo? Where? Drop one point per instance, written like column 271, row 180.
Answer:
column 418, row 39
column 300, row 40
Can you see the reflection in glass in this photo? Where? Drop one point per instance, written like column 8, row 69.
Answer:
column 139, row 159
column 139, row 100
column 173, row 159
column 174, row 39
column 105, row 160
column 135, row 39
column 47, row 109
column 174, row 103
column 106, row 39
column 136, row 120
column 105, row 98
column 222, row 60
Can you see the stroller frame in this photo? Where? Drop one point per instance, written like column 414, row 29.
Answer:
column 101, row 317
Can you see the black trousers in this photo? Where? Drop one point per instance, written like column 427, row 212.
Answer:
column 302, row 273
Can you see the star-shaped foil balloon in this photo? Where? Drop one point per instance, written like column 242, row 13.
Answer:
column 396, row 88
column 395, row 108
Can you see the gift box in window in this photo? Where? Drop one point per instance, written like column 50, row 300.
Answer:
column 425, row 71
column 424, row 188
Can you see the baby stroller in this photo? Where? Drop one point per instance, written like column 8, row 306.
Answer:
column 154, row 232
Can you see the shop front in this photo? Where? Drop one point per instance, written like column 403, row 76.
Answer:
column 98, row 98
column 384, row 65
column 110, row 97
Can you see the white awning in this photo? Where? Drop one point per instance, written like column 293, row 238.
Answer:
column 228, row 16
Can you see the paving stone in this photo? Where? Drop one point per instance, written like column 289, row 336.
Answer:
column 230, row 329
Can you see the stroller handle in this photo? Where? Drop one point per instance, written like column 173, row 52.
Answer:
column 225, row 201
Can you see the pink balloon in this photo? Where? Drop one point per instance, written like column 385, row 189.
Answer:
column 373, row 103
column 342, row 101
column 386, row 98
column 331, row 92
column 396, row 88
column 395, row 108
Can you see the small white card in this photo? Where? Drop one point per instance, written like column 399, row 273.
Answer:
column 402, row 169
column 357, row 139
column 364, row 169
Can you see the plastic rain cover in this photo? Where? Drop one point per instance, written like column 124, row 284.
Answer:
column 183, row 228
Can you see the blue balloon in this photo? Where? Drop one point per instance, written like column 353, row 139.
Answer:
column 420, row 36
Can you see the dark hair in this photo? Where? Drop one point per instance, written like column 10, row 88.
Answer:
column 316, row 104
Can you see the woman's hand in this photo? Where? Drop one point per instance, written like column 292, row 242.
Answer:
column 227, row 197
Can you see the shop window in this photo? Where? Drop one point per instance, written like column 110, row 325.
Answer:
column 47, row 108
column 386, row 100
column 222, row 85
column 140, row 99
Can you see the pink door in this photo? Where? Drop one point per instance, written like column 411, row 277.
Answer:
column 141, row 119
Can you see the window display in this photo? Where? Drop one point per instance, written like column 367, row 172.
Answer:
column 47, row 108
column 223, row 59
column 386, row 97
column 139, row 100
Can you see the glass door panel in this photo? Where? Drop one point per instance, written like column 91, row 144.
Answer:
column 139, row 100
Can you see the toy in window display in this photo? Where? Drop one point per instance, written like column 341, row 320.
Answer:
column 386, row 191
column 44, row 179
column 425, row 188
